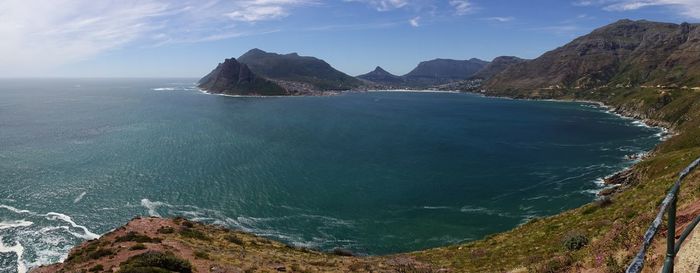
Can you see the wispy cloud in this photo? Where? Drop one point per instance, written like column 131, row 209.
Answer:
column 54, row 32
column 426, row 7
column 462, row 7
column 415, row 21
column 686, row 8
column 500, row 19
column 383, row 5
column 261, row 10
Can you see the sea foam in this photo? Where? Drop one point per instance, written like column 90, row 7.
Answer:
column 18, row 249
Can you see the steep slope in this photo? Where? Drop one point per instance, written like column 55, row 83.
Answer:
column 441, row 71
column 497, row 65
column 298, row 69
column 234, row 78
column 381, row 76
column 624, row 54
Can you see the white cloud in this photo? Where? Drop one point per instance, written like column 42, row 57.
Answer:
column 415, row 21
column 384, row 5
column 44, row 33
column 501, row 19
column 261, row 10
column 686, row 8
column 462, row 7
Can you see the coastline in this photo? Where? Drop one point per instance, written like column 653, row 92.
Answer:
column 608, row 109
column 607, row 185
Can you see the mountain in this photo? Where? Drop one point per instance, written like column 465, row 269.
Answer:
column 441, row 71
column 497, row 65
column 234, row 78
column 381, row 76
column 292, row 68
column 623, row 54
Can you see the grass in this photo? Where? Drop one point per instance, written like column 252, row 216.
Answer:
column 136, row 237
column 155, row 262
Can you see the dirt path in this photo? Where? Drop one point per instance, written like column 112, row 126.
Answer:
column 688, row 259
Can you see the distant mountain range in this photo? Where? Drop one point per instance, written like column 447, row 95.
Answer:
column 277, row 74
column 623, row 54
column 496, row 66
column 441, row 71
column 381, row 76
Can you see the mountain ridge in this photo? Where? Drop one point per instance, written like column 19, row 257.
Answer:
column 625, row 53
column 292, row 67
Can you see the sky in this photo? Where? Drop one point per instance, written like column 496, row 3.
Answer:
column 187, row 38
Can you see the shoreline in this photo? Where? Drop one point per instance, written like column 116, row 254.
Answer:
column 606, row 187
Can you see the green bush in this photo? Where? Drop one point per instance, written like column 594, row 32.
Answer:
column 201, row 255
column 96, row 268
column 166, row 230
column 194, row 234
column 576, row 242
column 136, row 237
column 234, row 239
column 138, row 246
column 99, row 253
column 155, row 262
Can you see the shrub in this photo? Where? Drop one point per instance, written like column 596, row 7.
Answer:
column 612, row 265
column 155, row 262
column 603, row 201
column 187, row 224
column 575, row 242
column 96, row 268
column 234, row 239
column 133, row 236
column 138, row 246
column 99, row 253
column 194, row 234
column 201, row 255
column 343, row 252
column 166, row 230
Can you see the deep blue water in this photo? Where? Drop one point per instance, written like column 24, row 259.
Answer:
column 373, row 172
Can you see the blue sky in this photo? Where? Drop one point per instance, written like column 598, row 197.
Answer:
column 158, row 38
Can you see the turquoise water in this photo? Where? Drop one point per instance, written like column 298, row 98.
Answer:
column 374, row 172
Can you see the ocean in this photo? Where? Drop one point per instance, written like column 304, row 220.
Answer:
column 373, row 172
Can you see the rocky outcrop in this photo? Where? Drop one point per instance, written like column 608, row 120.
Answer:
column 234, row 78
